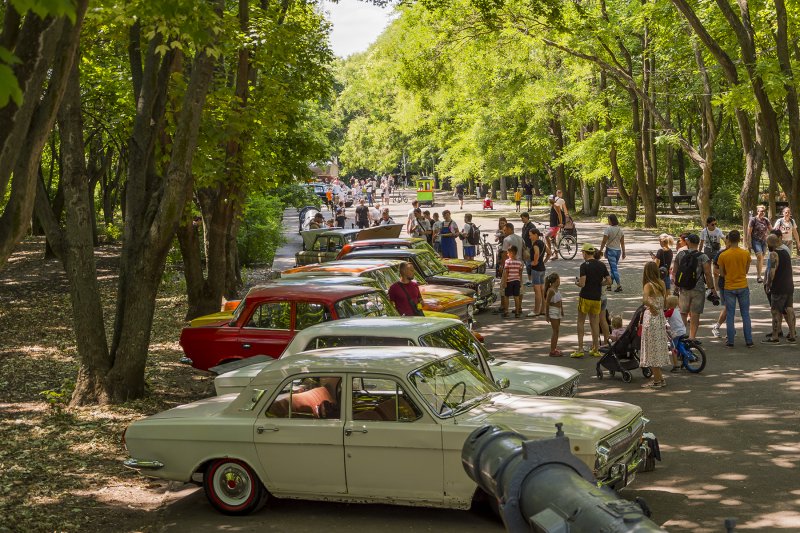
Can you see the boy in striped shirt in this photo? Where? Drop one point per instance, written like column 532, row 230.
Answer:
column 511, row 282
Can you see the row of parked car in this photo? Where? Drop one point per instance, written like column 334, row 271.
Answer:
column 323, row 392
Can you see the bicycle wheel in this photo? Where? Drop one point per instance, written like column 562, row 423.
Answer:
column 695, row 358
column 405, row 199
column 567, row 246
column 488, row 255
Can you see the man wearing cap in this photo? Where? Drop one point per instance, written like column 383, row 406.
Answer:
column 692, row 300
column 593, row 277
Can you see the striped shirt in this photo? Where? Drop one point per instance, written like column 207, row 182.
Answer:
column 514, row 269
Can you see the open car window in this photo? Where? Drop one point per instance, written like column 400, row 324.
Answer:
column 272, row 315
column 309, row 397
column 373, row 304
column 382, row 400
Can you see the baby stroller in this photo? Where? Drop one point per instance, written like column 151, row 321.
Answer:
column 623, row 355
column 487, row 203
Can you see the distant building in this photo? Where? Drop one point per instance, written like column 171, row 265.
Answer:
column 325, row 172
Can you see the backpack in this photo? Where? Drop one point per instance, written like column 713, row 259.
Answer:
column 473, row 236
column 687, row 270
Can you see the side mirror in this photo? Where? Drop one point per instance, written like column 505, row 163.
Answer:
column 503, row 383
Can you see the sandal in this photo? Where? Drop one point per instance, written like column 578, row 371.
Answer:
column 577, row 354
column 654, row 384
column 556, row 353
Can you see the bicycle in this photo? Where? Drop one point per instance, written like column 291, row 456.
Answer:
column 690, row 352
column 486, row 250
column 567, row 245
column 398, row 196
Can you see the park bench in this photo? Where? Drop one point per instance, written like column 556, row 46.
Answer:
column 689, row 199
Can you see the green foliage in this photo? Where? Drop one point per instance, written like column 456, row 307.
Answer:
column 725, row 204
column 261, row 230
column 296, row 195
column 57, row 399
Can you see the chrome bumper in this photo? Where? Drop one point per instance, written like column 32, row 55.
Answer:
column 136, row 464
column 622, row 473
column 186, row 361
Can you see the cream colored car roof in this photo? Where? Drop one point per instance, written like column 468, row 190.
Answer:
column 393, row 360
column 403, row 327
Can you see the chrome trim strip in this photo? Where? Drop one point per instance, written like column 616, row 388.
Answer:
column 144, row 465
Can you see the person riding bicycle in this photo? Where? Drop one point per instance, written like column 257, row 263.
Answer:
column 676, row 329
column 556, row 223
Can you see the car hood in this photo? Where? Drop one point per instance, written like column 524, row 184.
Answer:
column 531, row 378
column 536, row 416
column 200, row 409
column 459, row 277
column 471, row 263
column 214, row 319
column 444, row 296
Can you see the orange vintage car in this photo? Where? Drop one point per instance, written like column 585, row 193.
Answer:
column 439, row 298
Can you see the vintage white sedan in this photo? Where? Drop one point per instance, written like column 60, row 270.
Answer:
column 516, row 377
column 381, row 425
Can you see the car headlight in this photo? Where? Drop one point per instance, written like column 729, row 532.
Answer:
column 602, row 457
column 471, row 310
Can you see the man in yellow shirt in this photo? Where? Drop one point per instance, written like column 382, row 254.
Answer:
column 734, row 265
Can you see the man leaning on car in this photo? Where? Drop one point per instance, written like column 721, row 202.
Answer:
column 405, row 294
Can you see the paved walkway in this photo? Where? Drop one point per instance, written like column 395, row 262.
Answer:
column 730, row 437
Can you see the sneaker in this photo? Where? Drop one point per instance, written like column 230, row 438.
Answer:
column 749, row 344
column 770, row 340
column 595, row 353
column 791, row 340
column 577, row 354
column 618, row 289
column 729, row 344
column 715, row 330
column 760, row 280
column 528, row 284
column 530, row 314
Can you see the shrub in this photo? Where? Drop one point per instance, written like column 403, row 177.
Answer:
column 725, row 204
column 261, row 232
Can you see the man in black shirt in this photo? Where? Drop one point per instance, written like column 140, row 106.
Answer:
column 593, row 277
column 362, row 215
column 528, row 188
column 527, row 226
column 460, row 194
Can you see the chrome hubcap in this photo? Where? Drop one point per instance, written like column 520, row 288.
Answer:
column 233, row 484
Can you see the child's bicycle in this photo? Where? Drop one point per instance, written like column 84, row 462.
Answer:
column 486, row 250
column 398, row 196
column 690, row 353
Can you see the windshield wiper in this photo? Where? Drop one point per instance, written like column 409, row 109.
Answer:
column 471, row 403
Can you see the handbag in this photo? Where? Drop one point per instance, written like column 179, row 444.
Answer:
column 414, row 307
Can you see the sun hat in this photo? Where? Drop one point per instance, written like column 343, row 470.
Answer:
column 587, row 248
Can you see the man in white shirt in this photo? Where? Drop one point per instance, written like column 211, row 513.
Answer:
column 410, row 219
column 374, row 214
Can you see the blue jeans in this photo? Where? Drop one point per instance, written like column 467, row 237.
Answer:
column 743, row 297
column 613, row 258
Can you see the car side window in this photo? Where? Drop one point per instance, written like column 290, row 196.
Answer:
column 335, row 243
column 309, row 397
column 335, row 341
column 309, row 314
column 382, row 400
column 320, row 244
column 273, row 315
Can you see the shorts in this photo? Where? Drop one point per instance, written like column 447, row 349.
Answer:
column 469, row 250
column 552, row 232
column 512, row 288
column 589, row 307
column 529, row 197
column 692, row 301
column 781, row 302
column 759, row 247
column 460, row 196
column 554, row 313
column 537, row 277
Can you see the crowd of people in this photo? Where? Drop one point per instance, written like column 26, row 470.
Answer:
column 682, row 277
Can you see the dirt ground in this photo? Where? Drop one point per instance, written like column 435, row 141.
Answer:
column 730, row 437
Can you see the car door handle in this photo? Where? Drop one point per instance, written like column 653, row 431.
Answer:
column 262, row 429
column 350, row 431
column 246, row 346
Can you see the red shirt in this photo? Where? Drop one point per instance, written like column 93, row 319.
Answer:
column 514, row 269
column 403, row 295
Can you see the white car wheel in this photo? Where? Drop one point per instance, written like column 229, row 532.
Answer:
column 233, row 488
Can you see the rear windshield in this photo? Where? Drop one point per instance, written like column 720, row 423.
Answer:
column 372, row 304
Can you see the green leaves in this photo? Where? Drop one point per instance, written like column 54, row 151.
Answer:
column 45, row 8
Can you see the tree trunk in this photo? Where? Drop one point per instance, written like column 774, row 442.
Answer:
column 503, row 188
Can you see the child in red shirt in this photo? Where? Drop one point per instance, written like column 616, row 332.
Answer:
column 511, row 283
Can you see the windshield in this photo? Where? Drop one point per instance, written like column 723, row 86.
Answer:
column 459, row 338
column 365, row 305
column 430, row 265
column 451, row 385
column 384, row 276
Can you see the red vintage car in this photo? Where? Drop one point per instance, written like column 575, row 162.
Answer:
column 267, row 319
column 453, row 265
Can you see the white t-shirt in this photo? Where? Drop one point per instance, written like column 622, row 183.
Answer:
column 514, row 240
column 561, row 204
column 711, row 237
column 786, row 228
column 614, row 234
column 676, row 325
column 374, row 214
